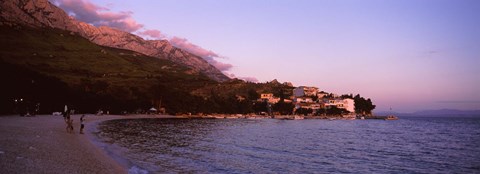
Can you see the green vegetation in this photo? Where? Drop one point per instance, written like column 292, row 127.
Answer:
column 54, row 67
column 68, row 69
column 92, row 77
column 237, row 96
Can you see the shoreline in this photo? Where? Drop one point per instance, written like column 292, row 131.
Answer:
column 40, row 144
column 112, row 150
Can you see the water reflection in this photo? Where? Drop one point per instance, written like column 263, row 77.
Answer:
column 301, row 146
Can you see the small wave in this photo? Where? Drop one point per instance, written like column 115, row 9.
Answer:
column 236, row 146
column 137, row 170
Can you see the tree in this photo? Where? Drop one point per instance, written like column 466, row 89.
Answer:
column 314, row 97
column 320, row 112
column 253, row 95
column 283, row 108
column 335, row 111
column 303, row 111
column 100, row 87
column 363, row 106
column 344, row 96
column 244, row 107
column 260, row 107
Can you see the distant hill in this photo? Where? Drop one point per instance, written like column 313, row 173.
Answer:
column 447, row 112
column 438, row 113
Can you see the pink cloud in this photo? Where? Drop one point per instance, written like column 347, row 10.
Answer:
column 192, row 48
column 155, row 34
column 86, row 11
column 208, row 55
column 220, row 66
column 248, row 79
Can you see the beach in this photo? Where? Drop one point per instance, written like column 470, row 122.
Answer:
column 40, row 144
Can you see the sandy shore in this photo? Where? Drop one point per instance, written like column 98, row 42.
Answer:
column 41, row 144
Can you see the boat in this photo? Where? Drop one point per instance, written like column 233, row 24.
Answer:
column 391, row 117
column 297, row 117
column 290, row 117
column 218, row 116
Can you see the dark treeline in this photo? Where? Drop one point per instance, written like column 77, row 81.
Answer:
column 24, row 90
column 42, row 70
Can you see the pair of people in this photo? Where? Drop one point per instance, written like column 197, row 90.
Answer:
column 69, row 123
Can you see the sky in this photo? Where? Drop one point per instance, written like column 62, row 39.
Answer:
column 407, row 55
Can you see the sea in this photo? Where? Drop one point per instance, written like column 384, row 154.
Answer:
column 407, row 145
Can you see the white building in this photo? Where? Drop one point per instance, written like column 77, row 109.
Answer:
column 266, row 95
column 347, row 104
column 303, row 100
column 321, row 94
column 305, row 91
column 269, row 98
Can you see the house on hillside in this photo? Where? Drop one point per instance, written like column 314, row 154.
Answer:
column 305, row 91
column 322, row 94
column 268, row 97
column 303, row 100
column 347, row 104
column 313, row 106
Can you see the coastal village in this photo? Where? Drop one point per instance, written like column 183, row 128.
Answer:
column 311, row 98
column 302, row 102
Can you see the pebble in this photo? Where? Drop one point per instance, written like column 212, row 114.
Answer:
column 2, row 152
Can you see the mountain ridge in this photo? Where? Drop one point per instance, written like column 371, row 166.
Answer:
column 43, row 14
column 45, row 59
column 54, row 68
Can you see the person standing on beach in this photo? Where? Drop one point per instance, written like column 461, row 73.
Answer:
column 69, row 122
column 65, row 114
column 82, row 119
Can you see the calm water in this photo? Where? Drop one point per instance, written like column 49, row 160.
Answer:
column 408, row 145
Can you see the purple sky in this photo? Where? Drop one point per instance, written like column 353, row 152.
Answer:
column 406, row 54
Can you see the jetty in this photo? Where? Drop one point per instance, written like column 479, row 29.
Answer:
column 388, row 117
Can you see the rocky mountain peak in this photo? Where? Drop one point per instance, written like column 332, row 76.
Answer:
column 43, row 14
column 35, row 13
